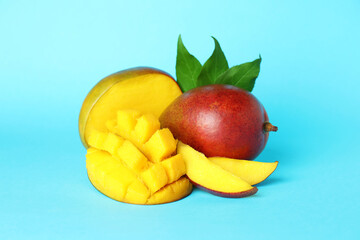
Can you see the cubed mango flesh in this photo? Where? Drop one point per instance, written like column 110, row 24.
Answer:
column 155, row 177
column 126, row 120
column 160, row 145
column 112, row 143
column 132, row 156
column 96, row 139
column 137, row 193
column 133, row 161
column 171, row 192
column 116, row 185
column 145, row 127
column 174, row 167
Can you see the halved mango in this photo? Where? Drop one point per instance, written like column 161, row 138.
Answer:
column 119, row 165
column 147, row 90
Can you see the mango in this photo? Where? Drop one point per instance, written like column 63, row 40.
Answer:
column 219, row 120
column 147, row 90
column 134, row 162
column 210, row 177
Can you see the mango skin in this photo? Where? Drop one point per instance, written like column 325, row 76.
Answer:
column 218, row 120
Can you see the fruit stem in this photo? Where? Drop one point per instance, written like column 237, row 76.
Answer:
column 268, row 127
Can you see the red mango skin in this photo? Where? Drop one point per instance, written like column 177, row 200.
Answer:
column 218, row 120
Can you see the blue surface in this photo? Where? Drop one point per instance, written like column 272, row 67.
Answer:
column 52, row 53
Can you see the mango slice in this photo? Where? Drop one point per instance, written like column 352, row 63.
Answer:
column 250, row 171
column 211, row 177
column 133, row 161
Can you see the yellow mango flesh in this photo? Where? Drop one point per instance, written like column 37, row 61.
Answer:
column 209, row 175
column 132, row 156
column 108, row 177
column 155, row 177
column 160, row 143
column 250, row 171
column 127, row 119
column 171, row 192
column 119, row 168
column 146, row 126
column 145, row 90
column 137, row 193
column 174, row 167
column 112, row 143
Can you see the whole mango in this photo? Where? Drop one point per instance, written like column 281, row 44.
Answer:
column 219, row 121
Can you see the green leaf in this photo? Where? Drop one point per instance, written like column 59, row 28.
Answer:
column 213, row 67
column 187, row 67
column 242, row 76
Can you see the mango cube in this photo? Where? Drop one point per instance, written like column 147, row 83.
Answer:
column 117, row 182
column 145, row 127
column 93, row 161
column 96, row 139
column 171, row 192
column 94, row 158
column 155, row 177
column 160, row 145
column 111, row 125
column 126, row 120
column 132, row 156
column 110, row 165
column 174, row 167
column 115, row 186
column 90, row 151
column 112, row 143
column 137, row 193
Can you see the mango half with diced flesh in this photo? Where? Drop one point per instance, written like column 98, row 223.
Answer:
column 134, row 161
column 147, row 90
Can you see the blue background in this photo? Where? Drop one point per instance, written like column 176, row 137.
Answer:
column 53, row 52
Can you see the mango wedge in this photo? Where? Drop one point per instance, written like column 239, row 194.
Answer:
column 250, row 171
column 212, row 178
